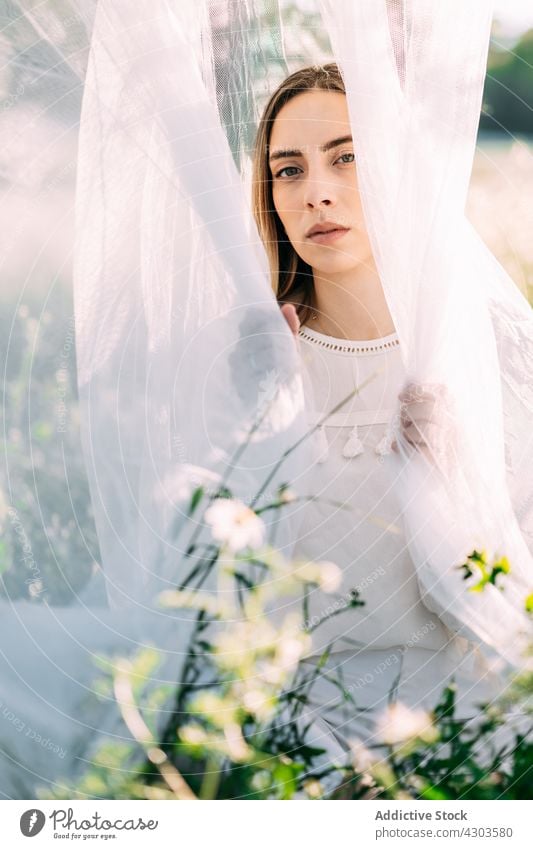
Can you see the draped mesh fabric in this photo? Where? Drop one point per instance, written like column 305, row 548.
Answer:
column 136, row 120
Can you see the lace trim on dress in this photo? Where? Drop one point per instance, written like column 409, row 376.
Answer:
column 349, row 346
column 353, row 446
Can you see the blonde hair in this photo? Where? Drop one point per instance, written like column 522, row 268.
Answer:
column 291, row 277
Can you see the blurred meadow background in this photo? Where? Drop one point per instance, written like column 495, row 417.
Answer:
column 45, row 514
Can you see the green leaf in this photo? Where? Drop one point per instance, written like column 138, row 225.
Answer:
column 195, row 499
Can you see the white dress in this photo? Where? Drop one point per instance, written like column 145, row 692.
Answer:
column 394, row 644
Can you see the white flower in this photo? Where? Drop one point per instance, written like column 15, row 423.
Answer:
column 399, row 723
column 239, row 646
column 287, row 496
column 290, row 650
column 260, row 780
column 193, row 734
column 313, row 788
column 235, row 524
column 322, row 572
column 330, row 576
column 362, row 757
column 238, row 748
column 271, row 673
column 260, row 703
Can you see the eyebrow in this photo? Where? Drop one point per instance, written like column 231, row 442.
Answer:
column 285, row 154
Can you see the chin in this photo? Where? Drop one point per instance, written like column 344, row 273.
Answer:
column 332, row 262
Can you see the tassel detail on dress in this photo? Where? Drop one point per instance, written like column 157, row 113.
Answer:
column 353, row 446
column 322, row 444
column 384, row 446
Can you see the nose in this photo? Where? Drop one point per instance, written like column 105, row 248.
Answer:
column 318, row 188
column 318, row 192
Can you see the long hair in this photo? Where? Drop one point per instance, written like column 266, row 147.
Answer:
column 291, row 277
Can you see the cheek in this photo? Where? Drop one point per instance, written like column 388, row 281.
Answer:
column 280, row 204
column 285, row 203
column 355, row 196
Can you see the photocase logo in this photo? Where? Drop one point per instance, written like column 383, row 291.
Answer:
column 32, row 822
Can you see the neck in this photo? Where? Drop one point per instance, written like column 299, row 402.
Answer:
column 351, row 304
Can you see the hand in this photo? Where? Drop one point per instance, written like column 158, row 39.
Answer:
column 258, row 353
column 291, row 317
column 426, row 420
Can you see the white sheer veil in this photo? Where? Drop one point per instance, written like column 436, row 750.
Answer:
column 187, row 373
column 414, row 78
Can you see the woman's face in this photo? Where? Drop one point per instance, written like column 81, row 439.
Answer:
column 314, row 181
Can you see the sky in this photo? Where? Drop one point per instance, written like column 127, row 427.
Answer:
column 514, row 15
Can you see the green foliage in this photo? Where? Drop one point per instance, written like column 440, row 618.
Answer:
column 508, row 94
column 49, row 540
column 235, row 725
column 477, row 565
column 457, row 765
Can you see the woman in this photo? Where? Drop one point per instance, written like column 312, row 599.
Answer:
column 165, row 267
column 309, row 214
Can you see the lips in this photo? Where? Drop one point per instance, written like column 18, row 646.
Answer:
column 325, row 228
column 324, row 236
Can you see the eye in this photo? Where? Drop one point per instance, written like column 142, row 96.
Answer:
column 287, row 168
column 347, row 162
column 342, row 158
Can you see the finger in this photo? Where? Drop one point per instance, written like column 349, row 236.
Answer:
column 291, row 317
column 430, row 435
column 420, row 421
column 414, row 392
